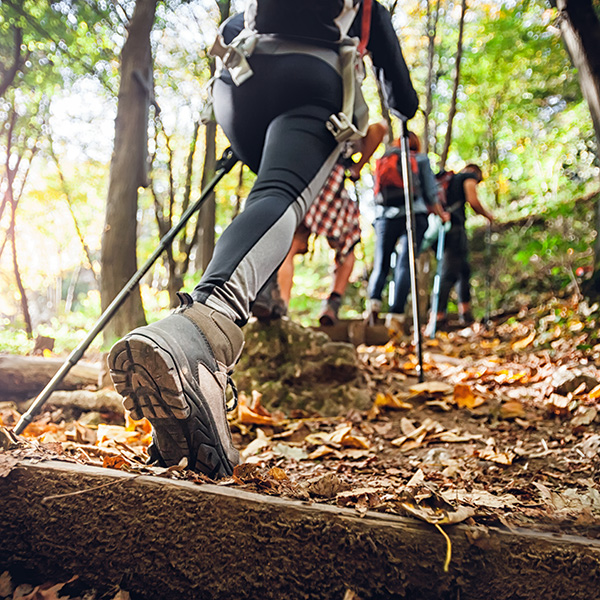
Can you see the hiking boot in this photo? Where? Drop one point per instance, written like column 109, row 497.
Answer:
column 466, row 319
column 441, row 324
column 396, row 324
column 330, row 309
column 372, row 312
column 269, row 304
column 175, row 373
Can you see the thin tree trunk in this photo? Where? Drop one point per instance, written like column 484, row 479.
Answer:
column 207, row 215
column 452, row 113
column 128, row 171
column 580, row 29
column 432, row 22
column 17, row 272
column 9, row 73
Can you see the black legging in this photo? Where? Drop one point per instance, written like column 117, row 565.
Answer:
column 455, row 268
column 275, row 122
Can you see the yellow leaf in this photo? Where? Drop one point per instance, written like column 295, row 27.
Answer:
column 390, row 401
column 523, row 343
column 595, row 393
column 465, row 398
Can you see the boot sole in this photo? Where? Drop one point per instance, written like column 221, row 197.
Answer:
column 147, row 375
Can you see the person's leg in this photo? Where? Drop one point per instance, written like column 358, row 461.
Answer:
column 386, row 235
column 342, row 273
column 285, row 275
column 451, row 265
column 463, row 287
column 402, row 281
column 175, row 372
column 258, row 240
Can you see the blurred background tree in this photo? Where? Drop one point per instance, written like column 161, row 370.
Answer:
column 518, row 110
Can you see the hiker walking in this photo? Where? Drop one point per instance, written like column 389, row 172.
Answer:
column 456, row 271
column 391, row 228
column 287, row 97
column 334, row 215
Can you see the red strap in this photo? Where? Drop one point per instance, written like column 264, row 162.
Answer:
column 365, row 29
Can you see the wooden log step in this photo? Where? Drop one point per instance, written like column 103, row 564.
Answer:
column 166, row 539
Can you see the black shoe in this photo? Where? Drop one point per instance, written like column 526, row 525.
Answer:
column 175, row 373
column 269, row 304
column 466, row 319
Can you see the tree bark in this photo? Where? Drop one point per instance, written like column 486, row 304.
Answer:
column 128, row 172
column 207, row 215
column 452, row 113
column 162, row 538
column 25, row 376
column 432, row 21
column 580, row 29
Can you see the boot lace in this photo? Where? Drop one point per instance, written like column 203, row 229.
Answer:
column 234, row 401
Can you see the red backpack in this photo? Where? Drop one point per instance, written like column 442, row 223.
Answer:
column 389, row 185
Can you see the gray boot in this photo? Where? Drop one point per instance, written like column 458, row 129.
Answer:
column 175, row 373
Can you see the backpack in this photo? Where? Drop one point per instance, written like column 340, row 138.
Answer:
column 389, row 185
column 443, row 179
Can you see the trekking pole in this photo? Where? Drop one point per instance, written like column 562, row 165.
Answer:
column 224, row 165
column 410, row 230
column 488, row 274
column 437, row 280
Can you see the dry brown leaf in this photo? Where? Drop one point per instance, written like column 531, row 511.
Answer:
column 115, row 462
column 278, row 474
column 47, row 591
column 390, row 401
column 252, row 411
column 512, row 409
column 465, row 398
column 431, row 387
column 501, row 458
column 6, row 586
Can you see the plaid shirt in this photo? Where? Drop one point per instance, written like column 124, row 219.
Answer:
column 335, row 215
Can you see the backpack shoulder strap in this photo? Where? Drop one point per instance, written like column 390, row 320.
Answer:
column 365, row 28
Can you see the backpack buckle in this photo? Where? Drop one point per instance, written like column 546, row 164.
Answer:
column 341, row 127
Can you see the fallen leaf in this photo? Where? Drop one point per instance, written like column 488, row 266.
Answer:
column 326, row 486
column 6, row 586
column 431, row 387
column 523, row 343
column 252, row 412
column 390, row 401
column 512, row 409
column 501, row 458
column 465, row 398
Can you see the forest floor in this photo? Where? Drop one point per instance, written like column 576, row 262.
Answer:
column 505, row 430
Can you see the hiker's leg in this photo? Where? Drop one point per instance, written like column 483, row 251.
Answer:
column 451, row 267
column 175, row 371
column 298, row 155
column 285, row 275
column 386, row 235
column 342, row 273
column 402, row 271
column 331, row 306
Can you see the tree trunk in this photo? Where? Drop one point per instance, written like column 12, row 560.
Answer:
column 128, row 172
column 207, row 215
column 580, row 29
column 452, row 113
column 432, row 21
column 162, row 538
